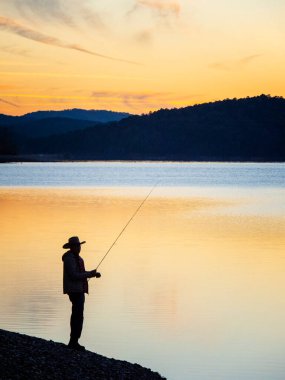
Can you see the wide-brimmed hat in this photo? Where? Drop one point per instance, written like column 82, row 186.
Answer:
column 74, row 240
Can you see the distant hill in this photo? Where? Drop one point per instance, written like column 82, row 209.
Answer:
column 15, row 131
column 50, row 126
column 100, row 116
column 249, row 129
column 6, row 119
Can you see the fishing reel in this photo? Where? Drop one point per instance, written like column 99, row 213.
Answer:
column 98, row 275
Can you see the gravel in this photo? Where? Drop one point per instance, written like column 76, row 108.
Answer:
column 25, row 357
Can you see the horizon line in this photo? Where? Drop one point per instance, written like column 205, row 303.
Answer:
column 144, row 113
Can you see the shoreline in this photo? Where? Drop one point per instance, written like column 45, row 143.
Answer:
column 41, row 158
column 26, row 357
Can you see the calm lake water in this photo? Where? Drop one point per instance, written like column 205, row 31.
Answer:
column 193, row 289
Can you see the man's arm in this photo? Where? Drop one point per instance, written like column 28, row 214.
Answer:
column 73, row 272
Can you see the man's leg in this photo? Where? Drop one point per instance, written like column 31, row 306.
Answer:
column 76, row 319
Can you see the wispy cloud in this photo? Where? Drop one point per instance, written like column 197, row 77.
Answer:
column 234, row 64
column 40, row 96
column 45, row 9
column 126, row 96
column 10, row 103
column 150, row 16
column 147, row 99
column 161, row 8
column 92, row 18
column 14, row 27
column 134, row 101
column 144, row 36
column 15, row 50
column 249, row 59
column 59, row 10
column 19, row 64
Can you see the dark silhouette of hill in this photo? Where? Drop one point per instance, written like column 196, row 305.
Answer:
column 50, row 126
column 249, row 129
column 8, row 142
column 6, row 119
column 15, row 131
column 101, row 116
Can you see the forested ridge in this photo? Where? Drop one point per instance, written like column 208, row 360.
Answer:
column 248, row 129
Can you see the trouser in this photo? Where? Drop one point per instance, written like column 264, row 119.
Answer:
column 76, row 319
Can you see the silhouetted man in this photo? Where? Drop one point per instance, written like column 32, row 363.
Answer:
column 75, row 285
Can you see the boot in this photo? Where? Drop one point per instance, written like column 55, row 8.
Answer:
column 74, row 345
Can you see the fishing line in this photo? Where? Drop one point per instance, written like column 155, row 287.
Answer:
column 135, row 213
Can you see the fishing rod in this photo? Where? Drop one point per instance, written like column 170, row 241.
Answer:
column 135, row 213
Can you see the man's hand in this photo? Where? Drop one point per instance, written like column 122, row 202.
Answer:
column 93, row 273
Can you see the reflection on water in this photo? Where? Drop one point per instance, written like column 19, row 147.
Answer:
column 193, row 288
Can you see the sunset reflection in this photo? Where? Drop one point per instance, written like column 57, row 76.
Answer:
column 206, row 271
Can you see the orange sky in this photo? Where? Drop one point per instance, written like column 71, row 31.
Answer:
column 138, row 55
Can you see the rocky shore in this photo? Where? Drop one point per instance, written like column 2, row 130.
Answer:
column 26, row 357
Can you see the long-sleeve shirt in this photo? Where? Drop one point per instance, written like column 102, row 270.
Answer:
column 74, row 274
